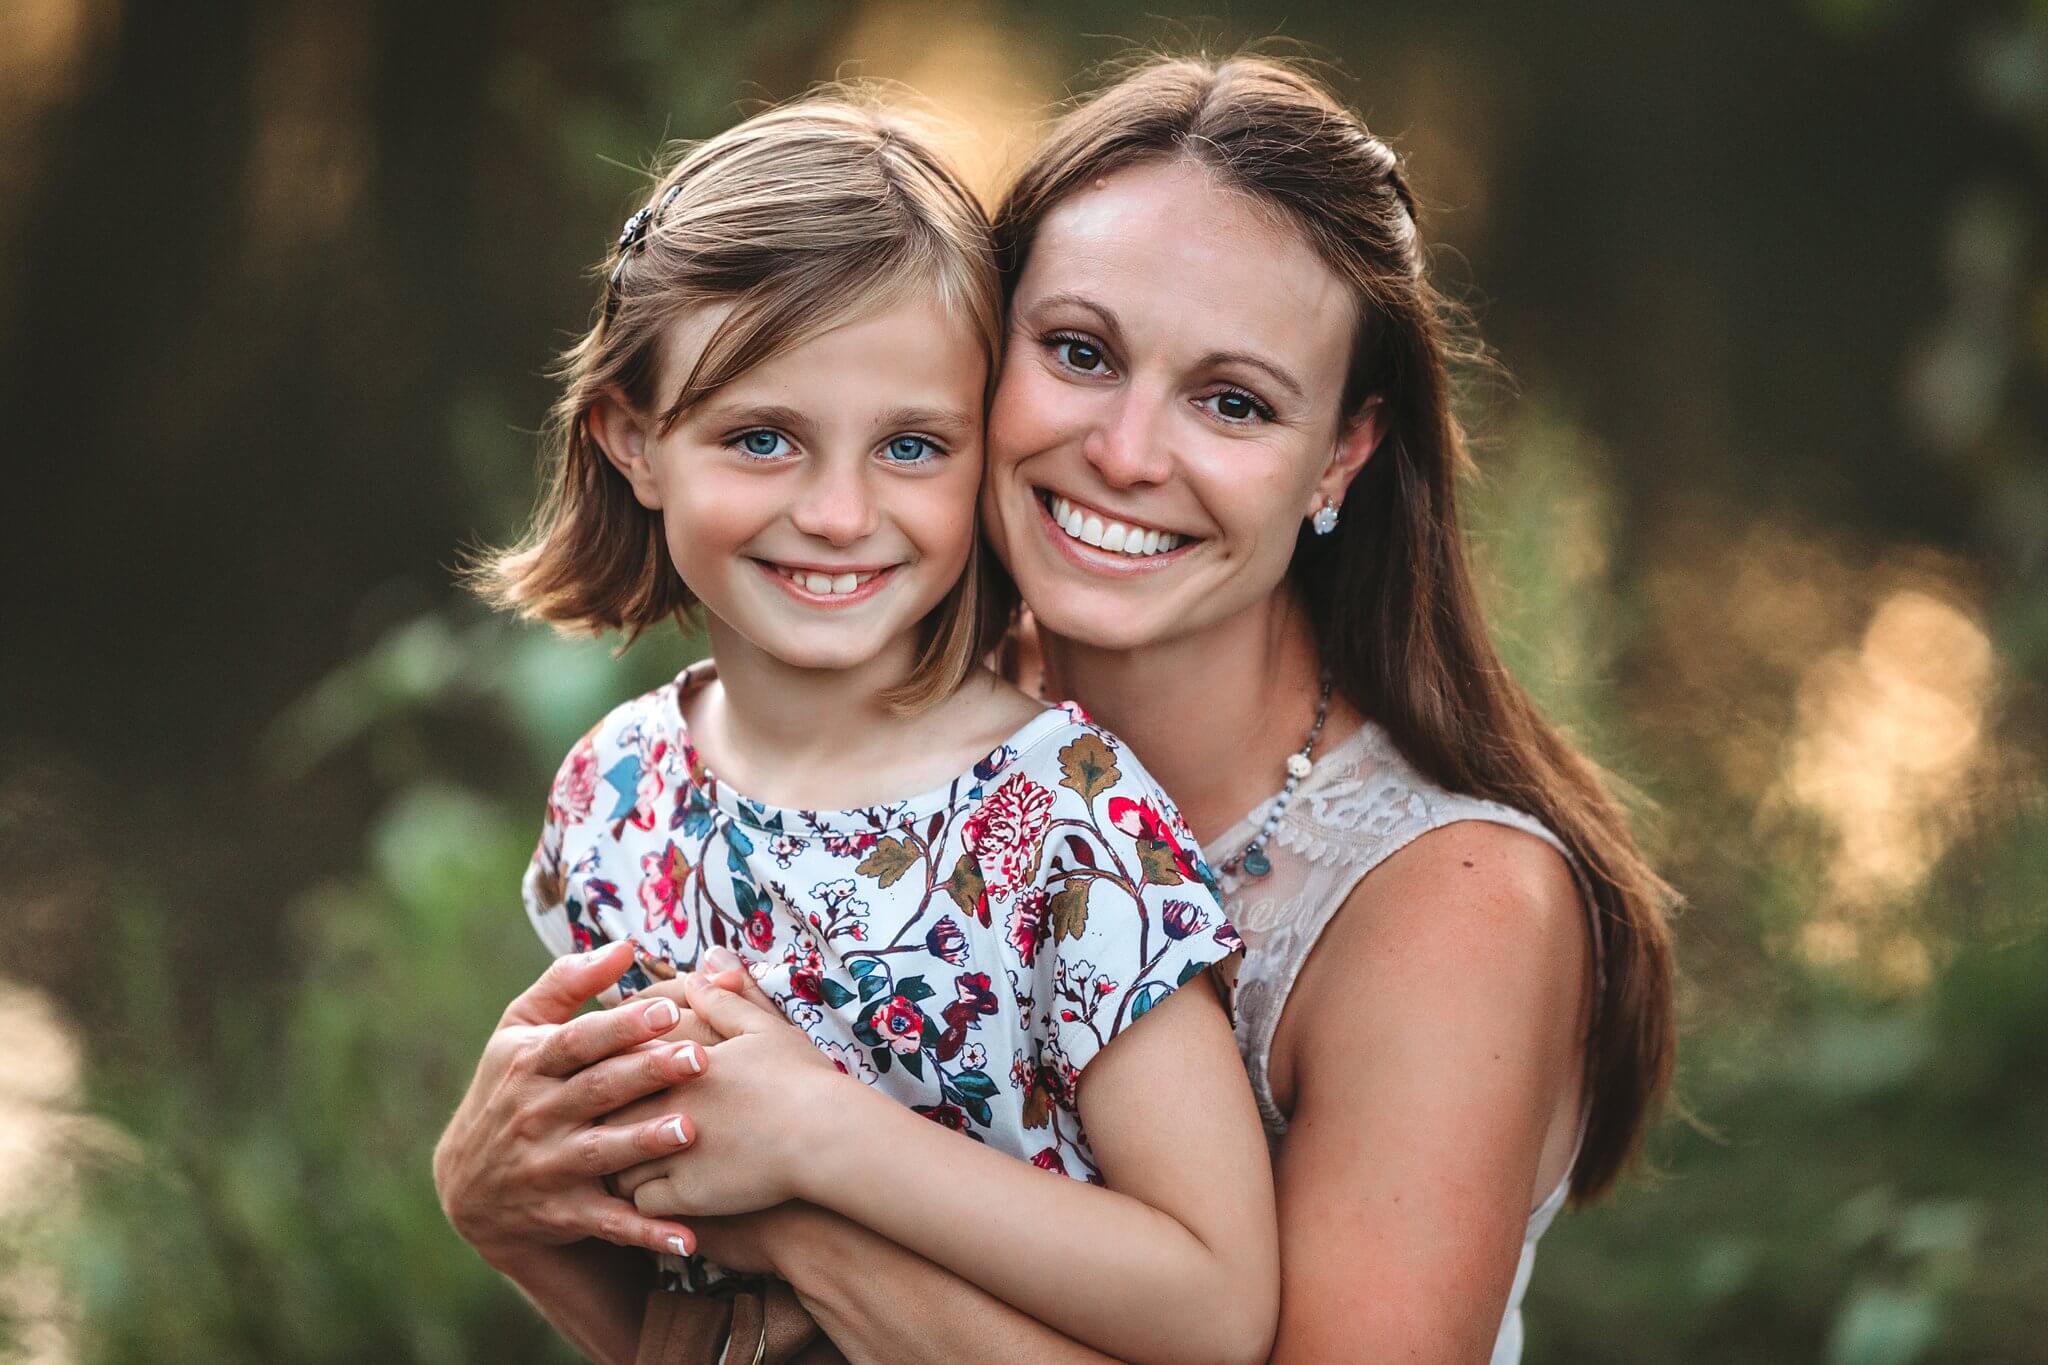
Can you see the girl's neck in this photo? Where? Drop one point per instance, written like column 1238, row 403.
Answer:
column 1213, row 715
column 825, row 739
column 767, row 721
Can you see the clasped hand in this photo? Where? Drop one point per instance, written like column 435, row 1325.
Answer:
column 752, row 1111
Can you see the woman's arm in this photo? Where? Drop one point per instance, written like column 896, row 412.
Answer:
column 1433, row 1042
column 878, row 1303
column 1175, row 1261
column 517, row 1167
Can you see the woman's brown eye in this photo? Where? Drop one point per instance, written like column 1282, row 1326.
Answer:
column 1235, row 406
column 1081, row 355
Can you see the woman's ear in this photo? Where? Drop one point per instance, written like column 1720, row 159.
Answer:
column 1360, row 437
column 624, row 437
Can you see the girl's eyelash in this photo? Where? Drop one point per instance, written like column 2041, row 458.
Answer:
column 737, row 441
column 934, row 448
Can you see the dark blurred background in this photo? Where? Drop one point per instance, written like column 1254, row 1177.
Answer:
column 1765, row 519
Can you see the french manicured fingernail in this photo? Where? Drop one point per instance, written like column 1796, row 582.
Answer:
column 686, row 1053
column 674, row 1128
column 662, row 1014
column 721, row 960
column 680, row 1247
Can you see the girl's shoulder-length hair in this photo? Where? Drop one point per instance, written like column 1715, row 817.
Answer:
column 798, row 220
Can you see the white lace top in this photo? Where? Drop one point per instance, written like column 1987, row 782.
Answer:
column 1361, row 804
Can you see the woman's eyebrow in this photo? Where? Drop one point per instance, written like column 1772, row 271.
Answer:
column 1279, row 373
column 1068, row 299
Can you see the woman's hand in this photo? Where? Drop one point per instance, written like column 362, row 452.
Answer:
column 750, row 1111
column 519, row 1165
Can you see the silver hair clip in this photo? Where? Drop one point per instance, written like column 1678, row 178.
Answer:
column 633, row 236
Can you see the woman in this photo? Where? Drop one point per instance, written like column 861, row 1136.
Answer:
column 1456, row 1003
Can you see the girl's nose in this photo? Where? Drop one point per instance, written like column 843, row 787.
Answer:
column 837, row 507
column 1128, row 446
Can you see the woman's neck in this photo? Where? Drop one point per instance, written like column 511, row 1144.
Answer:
column 1212, row 715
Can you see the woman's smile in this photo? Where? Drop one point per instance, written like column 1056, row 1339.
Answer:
column 1092, row 540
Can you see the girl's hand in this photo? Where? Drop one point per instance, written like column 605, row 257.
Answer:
column 750, row 1112
column 518, row 1167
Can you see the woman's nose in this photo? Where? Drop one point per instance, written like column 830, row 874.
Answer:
column 1127, row 447
column 837, row 507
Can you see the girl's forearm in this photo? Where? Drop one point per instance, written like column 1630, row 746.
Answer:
column 857, row 1284
column 593, row 1293
column 1098, row 1265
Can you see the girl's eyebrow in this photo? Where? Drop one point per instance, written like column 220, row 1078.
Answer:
column 951, row 421
column 753, row 414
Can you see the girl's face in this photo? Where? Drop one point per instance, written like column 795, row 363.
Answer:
column 1167, row 411
column 822, row 504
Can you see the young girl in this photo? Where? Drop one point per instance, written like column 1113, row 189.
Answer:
column 964, row 899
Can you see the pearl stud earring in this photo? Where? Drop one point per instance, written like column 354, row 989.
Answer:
column 1325, row 519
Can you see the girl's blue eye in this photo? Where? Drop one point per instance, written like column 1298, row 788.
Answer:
column 911, row 449
column 763, row 444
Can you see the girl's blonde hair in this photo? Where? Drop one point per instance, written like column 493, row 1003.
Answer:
column 802, row 218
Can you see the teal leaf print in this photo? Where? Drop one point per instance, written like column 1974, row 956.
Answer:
column 974, row 1085
column 1189, row 973
column 1146, row 996
column 835, row 994
column 872, row 985
column 913, row 1062
column 913, row 988
column 865, row 967
column 624, row 776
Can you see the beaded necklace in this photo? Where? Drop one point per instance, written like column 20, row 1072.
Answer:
column 1252, row 858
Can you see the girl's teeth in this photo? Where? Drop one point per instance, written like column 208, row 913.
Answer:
column 1113, row 536
column 827, row 585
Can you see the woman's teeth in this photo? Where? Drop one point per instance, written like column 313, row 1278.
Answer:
column 825, row 584
column 1114, row 536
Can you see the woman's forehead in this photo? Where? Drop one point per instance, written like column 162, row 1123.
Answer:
column 1166, row 246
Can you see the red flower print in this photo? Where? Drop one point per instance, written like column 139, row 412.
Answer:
column 576, row 785
column 1027, row 922
column 900, row 1023
column 850, row 845
column 760, row 930
column 1005, row 831
column 662, row 878
column 945, row 1115
column 975, row 992
column 1226, row 934
column 1180, row 919
column 1050, row 1160
column 651, row 783
column 946, row 941
column 1141, row 820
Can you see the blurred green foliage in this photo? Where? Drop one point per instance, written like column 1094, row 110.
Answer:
column 279, row 286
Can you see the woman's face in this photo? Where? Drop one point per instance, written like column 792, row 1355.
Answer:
column 1167, row 412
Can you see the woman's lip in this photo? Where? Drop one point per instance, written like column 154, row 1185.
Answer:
column 1102, row 562
column 774, row 574
column 1042, row 494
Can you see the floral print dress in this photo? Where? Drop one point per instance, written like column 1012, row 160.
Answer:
column 968, row 950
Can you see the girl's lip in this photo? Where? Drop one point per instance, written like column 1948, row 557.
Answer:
column 1108, row 563
column 841, row 599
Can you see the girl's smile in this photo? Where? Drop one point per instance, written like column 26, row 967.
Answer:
column 827, row 586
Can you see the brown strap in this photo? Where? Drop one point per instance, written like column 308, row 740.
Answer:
column 762, row 1325
column 683, row 1329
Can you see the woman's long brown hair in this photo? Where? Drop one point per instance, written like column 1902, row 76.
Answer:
column 1390, row 596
